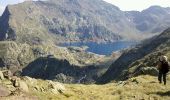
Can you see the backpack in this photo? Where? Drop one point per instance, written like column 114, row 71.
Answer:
column 165, row 67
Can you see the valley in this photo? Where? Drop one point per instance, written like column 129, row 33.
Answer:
column 103, row 48
column 82, row 50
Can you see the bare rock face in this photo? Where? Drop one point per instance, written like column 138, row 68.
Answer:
column 14, row 56
column 42, row 21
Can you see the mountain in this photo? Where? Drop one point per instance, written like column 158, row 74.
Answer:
column 140, row 59
column 32, row 29
column 68, row 65
column 63, row 20
column 155, row 19
column 36, row 22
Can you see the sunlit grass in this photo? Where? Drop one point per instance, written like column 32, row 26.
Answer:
column 138, row 88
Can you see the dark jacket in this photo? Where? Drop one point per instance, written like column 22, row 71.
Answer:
column 163, row 66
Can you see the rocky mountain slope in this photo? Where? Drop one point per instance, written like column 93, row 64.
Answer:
column 61, row 20
column 58, row 21
column 155, row 19
column 69, row 65
column 140, row 59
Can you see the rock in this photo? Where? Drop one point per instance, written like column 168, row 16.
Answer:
column 7, row 74
column 61, row 77
column 17, row 73
column 149, row 71
column 56, row 87
column 135, row 80
column 23, row 86
column 15, row 81
column 121, row 83
column 4, row 91
column 1, row 76
column 30, row 80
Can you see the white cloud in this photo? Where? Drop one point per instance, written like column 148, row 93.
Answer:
column 138, row 4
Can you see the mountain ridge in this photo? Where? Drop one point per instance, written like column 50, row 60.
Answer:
column 68, row 21
column 133, row 60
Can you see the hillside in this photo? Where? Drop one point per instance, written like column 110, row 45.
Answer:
column 34, row 67
column 137, row 88
column 62, row 64
column 37, row 22
column 61, row 20
column 145, row 55
column 155, row 19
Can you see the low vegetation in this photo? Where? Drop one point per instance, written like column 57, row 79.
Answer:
column 143, row 87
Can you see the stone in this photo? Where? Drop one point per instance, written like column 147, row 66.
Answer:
column 1, row 76
column 56, row 87
column 135, row 80
column 4, row 91
column 30, row 80
column 7, row 74
column 61, row 77
column 23, row 86
column 15, row 81
column 121, row 83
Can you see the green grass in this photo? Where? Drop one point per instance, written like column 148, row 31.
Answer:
column 138, row 88
column 143, row 87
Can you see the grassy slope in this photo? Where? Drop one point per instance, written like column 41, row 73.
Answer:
column 138, row 88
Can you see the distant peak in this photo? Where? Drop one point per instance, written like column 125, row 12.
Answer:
column 155, row 7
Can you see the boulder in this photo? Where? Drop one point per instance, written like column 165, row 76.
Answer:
column 1, row 76
column 15, row 81
column 60, row 77
column 23, row 86
column 56, row 87
column 18, row 83
column 30, row 80
column 7, row 74
column 4, row 91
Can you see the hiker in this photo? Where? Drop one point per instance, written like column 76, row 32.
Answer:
column 163, row 67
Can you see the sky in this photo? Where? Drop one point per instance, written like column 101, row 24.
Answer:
column 4, row 3
column 125, row 5
column 139, row 5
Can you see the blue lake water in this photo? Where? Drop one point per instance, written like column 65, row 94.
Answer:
column 102, row 48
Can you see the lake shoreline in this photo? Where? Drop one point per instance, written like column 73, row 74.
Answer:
column 102, row 48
